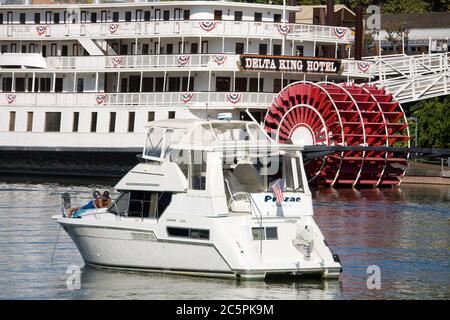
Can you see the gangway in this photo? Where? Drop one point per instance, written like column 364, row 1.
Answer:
column 413, row 78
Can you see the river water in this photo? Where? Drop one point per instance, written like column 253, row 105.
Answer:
column 404, row 231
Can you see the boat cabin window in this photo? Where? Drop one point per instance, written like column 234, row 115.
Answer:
column 202, row 234
column 142, row 204
column 265, row 233
column 159, row 140
column 254, row 177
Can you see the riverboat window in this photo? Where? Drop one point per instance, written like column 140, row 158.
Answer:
column 128, row 16
column 194, row 48
column 103, row 16
column 56, row 18
column 202, row 234
column 9, row 17
column 258, row 16
column 139, row 15
column 299, row 51
column 157, row 14
column 223, row 84
column 177, row 14
column 76, row 121
column 277, row 50
column 204, row 46
column 262, row 48
column 1, row 18
column 22, row 18
column 94, row 117
column 48, row 17
column 59, row 84
column 147, row 84
column 147, row 15
column 37, row 18
column 131, row 121
column 64, row 50
column 112, row 121
column 45, row 84
column 20, row 85
column 217, row 14
column 6, row 84
column 93, row 17
column 254, row 85
column 166, row 15
column 238, row 16
column 187, row 14
column 241, row 85
column 169, row 48
column 277, row 17
column 151, row 116
column 29, row 121
column 171, row 115
column 52, row 121
column 12, row 120
column 115, row 17
column 239, row 48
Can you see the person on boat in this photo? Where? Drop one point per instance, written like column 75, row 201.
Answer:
column 106, row 199
column 94, row 203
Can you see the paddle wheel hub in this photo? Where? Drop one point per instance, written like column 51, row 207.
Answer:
column 330, row 114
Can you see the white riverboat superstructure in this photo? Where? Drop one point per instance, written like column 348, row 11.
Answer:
column 202, row 202
column 92, row 75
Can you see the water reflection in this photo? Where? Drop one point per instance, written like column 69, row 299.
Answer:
column 405, row 231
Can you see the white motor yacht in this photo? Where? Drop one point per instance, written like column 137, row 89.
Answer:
column 208, row 198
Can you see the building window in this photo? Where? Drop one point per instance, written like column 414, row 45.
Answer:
column 76, row 121
column 151, row 116
column 112, row 122
column 94, row 122
column 258, row 16
column 29, row 121
column 171, row 114
column 53, row 121
column 238, row 16
column 12, row 120
column 131, row 120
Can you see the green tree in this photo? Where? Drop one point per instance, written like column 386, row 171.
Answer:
column 433, row 117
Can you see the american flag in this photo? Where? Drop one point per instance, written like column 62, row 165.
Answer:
column 278, row 188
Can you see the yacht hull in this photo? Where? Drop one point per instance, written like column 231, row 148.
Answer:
column 141, row 250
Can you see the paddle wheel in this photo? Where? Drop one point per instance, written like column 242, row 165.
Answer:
column 331, row 114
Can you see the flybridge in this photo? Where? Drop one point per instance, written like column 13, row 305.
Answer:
column 289, row 64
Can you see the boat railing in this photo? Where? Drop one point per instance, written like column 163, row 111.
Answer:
column 71, row 200
column 253, row 206
column 192, row 28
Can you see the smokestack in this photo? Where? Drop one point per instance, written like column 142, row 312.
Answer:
column 329, row 50
column 292, row 3
column 330, row 12
column 359, row 33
